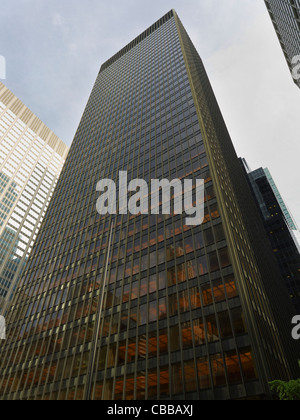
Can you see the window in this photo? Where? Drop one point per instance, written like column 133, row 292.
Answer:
column 177, row 380
column 152, row 311
column 199, row 332
column 233, row 368
column 164, row 381
column 207, row 295
column 219, row 291
column 238, row 321
column 203, row 373
column 230, row 287
column 218, row 371
column 225, row 325
column 247, row 364
column 224, row 257
column 212, row 329
column 186, row 334
column 152, row 383
column 190, row 376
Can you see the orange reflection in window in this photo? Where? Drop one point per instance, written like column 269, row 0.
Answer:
column 207, row 295
column 152, row 383
column 126, row 293
column 224, row 257
column 131, row 350
column 191, row 269
column 195, row 298
column 160, row 235
column 203, row 373
column 219, row 291
column 171, row 276
column 186, row 334
column 142, row 347
column 190, row 376
column 199, row 332
column 130, row 387
column 202, row 264
column 248, row 364
column 230, row 287
column 173, row 305
column 184, row 301
column 164, row 381
column 119, row 388
column 98, row 391
column 163, row 342
column 214, row 211
column 233, row 368
column 218, row 370
column 141, row 386
column 122, row 353
column 152, row 345
column 212, row 329
column 181, row 274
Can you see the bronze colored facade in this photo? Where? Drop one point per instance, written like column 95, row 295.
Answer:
column 145, row 307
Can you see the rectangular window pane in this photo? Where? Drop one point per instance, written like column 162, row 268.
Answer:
column 248, row 364
column 190, row 376
column 203, row 373
column 218, row 371
column 233, row 368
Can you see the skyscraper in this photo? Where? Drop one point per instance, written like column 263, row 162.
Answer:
column 291, row 222
column 31, row 159
column 146, row 307
column 280, row 228
column 285, row 15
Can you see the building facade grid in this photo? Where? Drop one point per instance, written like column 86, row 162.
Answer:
column 174, row 323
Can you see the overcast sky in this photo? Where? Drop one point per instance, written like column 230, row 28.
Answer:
column 54, row 49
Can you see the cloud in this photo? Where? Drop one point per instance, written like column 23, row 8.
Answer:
column 59, row 21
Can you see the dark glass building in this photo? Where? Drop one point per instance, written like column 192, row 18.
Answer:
column 146, row 307
column 285, row 15
column 278, row 224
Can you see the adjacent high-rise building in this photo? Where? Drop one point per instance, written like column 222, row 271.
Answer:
column 285, row 15
column 31, row 159
column 291, row 222
column 122, row 306
column 280, row 228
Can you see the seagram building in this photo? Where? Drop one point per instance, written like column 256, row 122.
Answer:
column 123, row 307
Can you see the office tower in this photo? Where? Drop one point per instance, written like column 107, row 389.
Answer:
column 286, row 212
column 280, row 227
column 31, row 159
column 146, row 307
column 285, row 15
